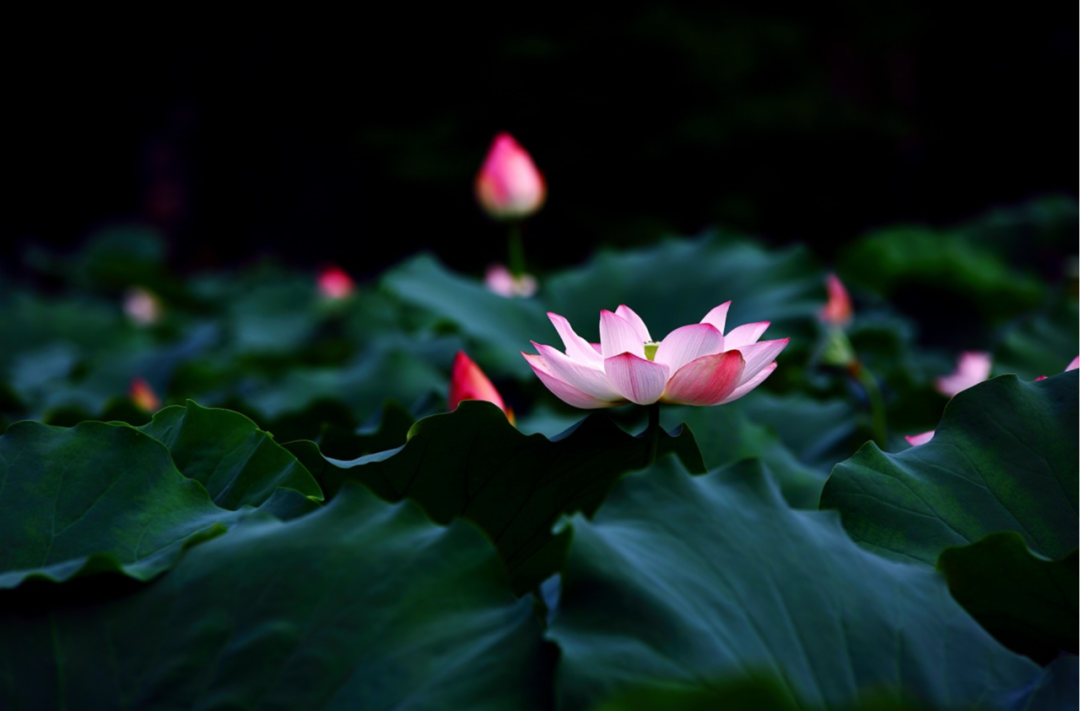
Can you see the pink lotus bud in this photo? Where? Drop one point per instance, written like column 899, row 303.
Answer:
column 916, row 440
column 499, row 280
column 143, row 396
column 334, row 283
column 509, row 186
column 468, row 382
column 837, row 312
column 697, row 364
column 142, row 307
column 1073, row 364
column 972, row 368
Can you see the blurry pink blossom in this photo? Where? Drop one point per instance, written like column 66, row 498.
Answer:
column 468, row 382
column 972, row 368
column 694, row 365
column 838, row 310
column 334, row 283
column 142, row 306
column 916, row 440
column 143, row 396
column 509, row 186
column 499, row 280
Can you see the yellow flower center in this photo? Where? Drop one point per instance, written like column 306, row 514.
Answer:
column 650, row 349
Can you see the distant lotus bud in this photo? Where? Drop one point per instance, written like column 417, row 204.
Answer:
column 499, row 280
column 837, row 312
column 468, row 382
column 142, row 306
column 334, row 283
column 971, row 369
column 916, row 440
column 143, row 396
column 1073, row 364
column 509, row 186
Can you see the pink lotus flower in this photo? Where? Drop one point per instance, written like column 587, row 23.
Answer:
column 509, row 186
column 143, row 396
column 838, row 311
column 694, row 365
column 334, row 283
column 499, row 280
column 971, row 369
column 468, row 382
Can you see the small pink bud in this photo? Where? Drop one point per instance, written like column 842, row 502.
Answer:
column 143, row 396
column 499, row 280
column 468, row 382
column 1073, row 364
column 334, row 283
column 509, row 186
column 142, row 307
column 838, row 311
column 971, row 369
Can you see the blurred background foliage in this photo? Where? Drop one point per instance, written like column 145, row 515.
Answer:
column 357, row 142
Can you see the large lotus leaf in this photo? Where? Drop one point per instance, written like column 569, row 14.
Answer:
column 1040, row 343
column 497, row 329
column 359, row 605
column 1027, row 602
column 239, row 464
column 753, row 693
column 1004, row 458
column 730, row 433
column 92, row 498
column 681, row 578
column 678, row 281
column 472, row 463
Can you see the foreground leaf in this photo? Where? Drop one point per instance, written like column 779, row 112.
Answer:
column 1027, row 602
column 681, row 578
column 1004, row 458
column 359, row 605
column 92, row 498
column 239, row 464
column 472, row 463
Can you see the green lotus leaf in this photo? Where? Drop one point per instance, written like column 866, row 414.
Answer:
column 361, row 604
column 472, row 463
column 679, row 579
column 1004, row 458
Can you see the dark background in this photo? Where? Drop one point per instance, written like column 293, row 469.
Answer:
column 357, row 142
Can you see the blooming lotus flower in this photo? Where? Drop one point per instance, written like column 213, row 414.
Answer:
column 838, row 311
column 143, row 396
column 468, row 382
column 509, row 186
column 499, row 280
column 694, row 365
column 971, row 369
column 334, row 283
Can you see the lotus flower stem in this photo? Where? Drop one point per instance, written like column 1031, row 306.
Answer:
column 877, row 402
column 517, row 250
column 652, row 433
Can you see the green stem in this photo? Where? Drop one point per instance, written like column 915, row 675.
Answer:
column 877, row 402
column 517, row 250
column 652, row 433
